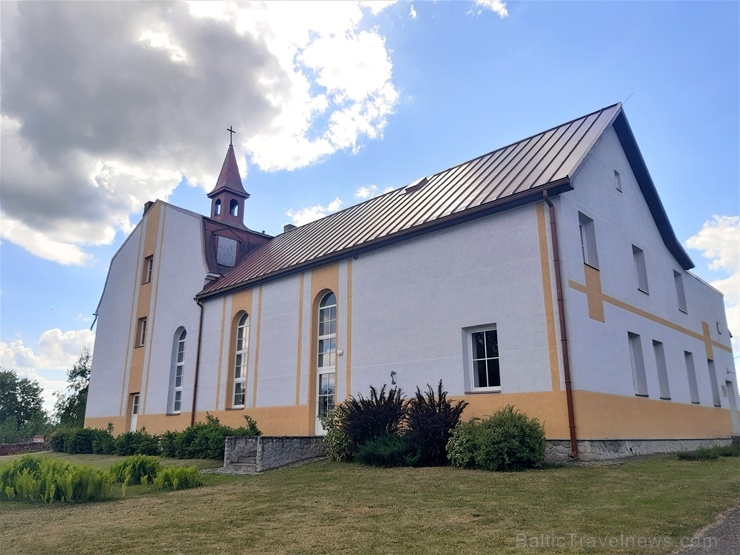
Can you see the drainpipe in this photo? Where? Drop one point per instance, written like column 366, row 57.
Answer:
column 563, row 335
column 197, row 363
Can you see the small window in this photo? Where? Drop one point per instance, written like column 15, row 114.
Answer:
column 240, row 361
column 665, row 392
column 588, row 241
column 148, row 265
column 178, row 367
column 617, row 181
column 691, row 373
column 680, row 293
column 714, row 384
column 719, row 329
column 217, row 208
column 640, row 270
column 141, row 332
column 234, row 207
column 484, row 359
column 638, row 365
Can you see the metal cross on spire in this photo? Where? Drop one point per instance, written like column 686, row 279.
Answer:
column 231, row 134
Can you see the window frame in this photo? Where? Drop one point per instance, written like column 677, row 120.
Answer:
column 326, row 371
column 148, row 269
column 660, row 363
column 617, row 181
column 587, row 232
column 680, row 292
column 691, row 374
column 638, row 257
column 240, row 367
column 637, row 362
column 716, row 400
column 141, row 331
column 472, row 358
column 178, row 371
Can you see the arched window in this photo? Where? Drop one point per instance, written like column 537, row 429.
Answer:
column 327, row 355
column 178, row 370
column 240, row 360
column 234, row 207
column 217, row 209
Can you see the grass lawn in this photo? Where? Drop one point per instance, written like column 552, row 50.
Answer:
column 345, row 508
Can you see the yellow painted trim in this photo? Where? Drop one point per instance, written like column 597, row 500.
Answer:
column 257, row 347
column 220, row 353
column 299, row 342
column 552, row 341
column 132, row 324
column 348, row 342
column 705, row 337
column 153, row 311
column 323, row 279
column 607, row 416
column 594, row 293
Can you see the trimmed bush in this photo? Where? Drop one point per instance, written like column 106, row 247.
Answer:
column 137, row 443
column 139, row 469
column 701, row 454
column 167, row 444
column 729, row 451
column 51, row 480
column 506, row 441
column 204, row 440
column 387, row 451
column 59, row 437
column 79, row 441
column 103, row 442
column 177, row 478
column 335, row 440
column 364, row 419
column 430, row 419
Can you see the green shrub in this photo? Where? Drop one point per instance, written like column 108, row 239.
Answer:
column 137, row 443
column 729, row 451
column 430, row 419
column 701, row 454
column 506, row 441
column 177, row 478
column 135, row 470
column 58, row 439
column 167, row 444
column 103, row 442
column 205, row 440
column 387, row 451
column 335, row 440
column 79, row 441
column 377, row 416
column 51, row 480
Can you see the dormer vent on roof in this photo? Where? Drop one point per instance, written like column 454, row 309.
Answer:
column 228, row 196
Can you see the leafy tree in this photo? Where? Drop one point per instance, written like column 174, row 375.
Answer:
column 69, row 408
column 20, row 398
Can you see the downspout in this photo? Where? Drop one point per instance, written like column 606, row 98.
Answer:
column 197, row 363
column 563, row 335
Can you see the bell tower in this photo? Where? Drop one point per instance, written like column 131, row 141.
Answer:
column 228, row 196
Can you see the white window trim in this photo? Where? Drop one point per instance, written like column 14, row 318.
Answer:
column 148, row 269
column 680, row 292
column 242, row 379
column 471, row 359
column 179, row 367
column 638, row 256
column 331, row 369
column 141, row 332
column 637, row 361
column 587, row 231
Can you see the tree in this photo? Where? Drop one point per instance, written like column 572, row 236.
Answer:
column 69, row 408
column 20, row 398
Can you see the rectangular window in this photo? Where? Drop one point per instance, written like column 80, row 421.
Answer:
column 680, row 293
column 617, row 181
column 640, row 270
column 141, row 332
column 691, row 373
column 485, row 359
column 665, row 392
column 588, row 241
column 638, row 365
column 714, row 384
column 148, row 265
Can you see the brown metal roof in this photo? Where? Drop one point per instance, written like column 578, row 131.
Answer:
column 505, row 177
column 229, row 177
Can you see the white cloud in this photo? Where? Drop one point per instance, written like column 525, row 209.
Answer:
column 719, row 241
column 412, row 12
column 366, row 192
column 94, row 127
column 377, row 6
column 57, row 352
column 311, row 213
column 496, row 6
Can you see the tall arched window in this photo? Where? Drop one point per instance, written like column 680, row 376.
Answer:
column 217, row 208
column 327, row 355
column 234, row 207
column 178, row 370
column 240, row 360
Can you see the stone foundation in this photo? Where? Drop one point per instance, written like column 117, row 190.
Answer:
column 27, row 447
column 256, row 454
column 602, row 449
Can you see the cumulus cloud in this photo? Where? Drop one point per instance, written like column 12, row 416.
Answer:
column 496, row 6
column 57, row 351
column 109, row 104
column 366, row 192
column 311, row 213
column 412, row 12
column 719, row 241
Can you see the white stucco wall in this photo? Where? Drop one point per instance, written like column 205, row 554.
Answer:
column 623, row 219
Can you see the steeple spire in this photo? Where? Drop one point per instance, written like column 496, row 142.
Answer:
column 228, row 196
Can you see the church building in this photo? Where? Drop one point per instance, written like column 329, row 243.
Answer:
column 544, row 275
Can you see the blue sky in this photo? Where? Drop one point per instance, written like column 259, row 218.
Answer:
column 334, row 103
